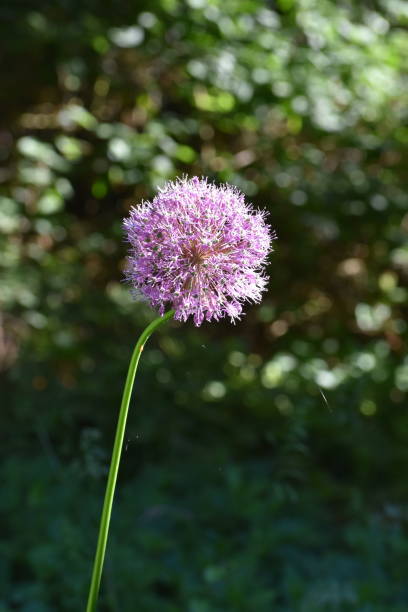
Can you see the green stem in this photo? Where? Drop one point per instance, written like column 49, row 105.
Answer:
column 114, row 466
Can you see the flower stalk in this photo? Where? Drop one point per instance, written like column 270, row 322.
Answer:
column 114, row 466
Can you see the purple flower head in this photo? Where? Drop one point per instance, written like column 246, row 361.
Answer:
column 198, row 248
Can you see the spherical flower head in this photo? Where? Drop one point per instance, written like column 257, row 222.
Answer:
column 198, row 248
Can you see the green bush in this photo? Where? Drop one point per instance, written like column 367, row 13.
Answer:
column 264, row 463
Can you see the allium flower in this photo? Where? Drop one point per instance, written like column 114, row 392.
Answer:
column 199, row 249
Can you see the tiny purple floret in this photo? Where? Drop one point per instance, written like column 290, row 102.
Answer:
column 198, row 248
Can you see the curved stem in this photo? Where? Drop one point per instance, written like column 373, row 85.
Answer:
column 114, row 466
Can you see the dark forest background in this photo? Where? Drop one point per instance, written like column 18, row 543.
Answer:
column 266, row 463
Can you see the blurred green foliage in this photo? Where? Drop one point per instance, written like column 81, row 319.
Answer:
column 265, row 463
